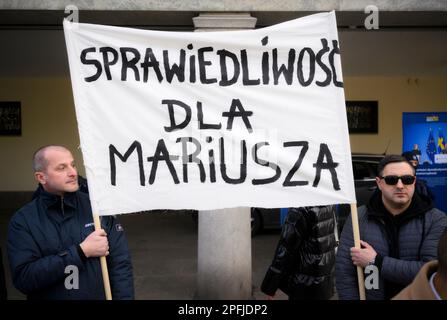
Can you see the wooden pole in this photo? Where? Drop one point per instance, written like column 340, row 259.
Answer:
column 105, row 272
column 356, row 232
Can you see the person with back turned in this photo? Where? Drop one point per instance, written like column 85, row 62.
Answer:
column 303, row 263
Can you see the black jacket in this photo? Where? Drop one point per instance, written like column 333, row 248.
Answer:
column 303, row 264
column 43, row 239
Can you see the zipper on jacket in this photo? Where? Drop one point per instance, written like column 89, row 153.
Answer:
column 62, row 206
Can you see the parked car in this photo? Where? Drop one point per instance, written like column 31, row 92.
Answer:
column 365, row 171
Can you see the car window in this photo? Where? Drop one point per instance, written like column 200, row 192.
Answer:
column 373, row 167
column 363, row 170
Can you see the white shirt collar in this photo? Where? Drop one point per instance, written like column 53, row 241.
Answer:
column 432, row 286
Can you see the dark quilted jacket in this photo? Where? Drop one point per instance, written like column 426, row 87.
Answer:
column 416, row 240
column 304, row 259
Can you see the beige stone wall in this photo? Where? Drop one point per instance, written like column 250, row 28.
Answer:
column 395, row 95
column 48, row 116
column 228, row 5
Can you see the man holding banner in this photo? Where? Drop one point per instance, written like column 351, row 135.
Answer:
column 400, row 232
column 53, row 250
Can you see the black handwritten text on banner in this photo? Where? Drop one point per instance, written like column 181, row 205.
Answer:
column 211, row 120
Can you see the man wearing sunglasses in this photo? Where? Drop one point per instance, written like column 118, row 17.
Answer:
column 399, row 232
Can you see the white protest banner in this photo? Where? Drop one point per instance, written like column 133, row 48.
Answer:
column 182, row 120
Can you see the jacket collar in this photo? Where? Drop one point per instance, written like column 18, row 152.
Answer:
column 418, row 207
column 50, row 199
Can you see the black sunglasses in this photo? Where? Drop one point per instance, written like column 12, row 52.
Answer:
column 393, row 180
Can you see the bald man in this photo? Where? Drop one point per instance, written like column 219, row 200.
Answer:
column 53, row 248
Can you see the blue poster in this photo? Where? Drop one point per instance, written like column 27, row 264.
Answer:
column 283, row 215
column 424, row 134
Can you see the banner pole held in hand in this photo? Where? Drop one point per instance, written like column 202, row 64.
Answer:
column 356, row 232
column 105, row 272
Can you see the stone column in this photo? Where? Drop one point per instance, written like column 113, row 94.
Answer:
column 224, row 240
column 224, row 254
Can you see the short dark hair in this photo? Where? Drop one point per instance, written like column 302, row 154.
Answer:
column 442, row 253
column 391, row 158
column 410, row 156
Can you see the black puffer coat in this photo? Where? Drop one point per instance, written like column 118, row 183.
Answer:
column 303, row 265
